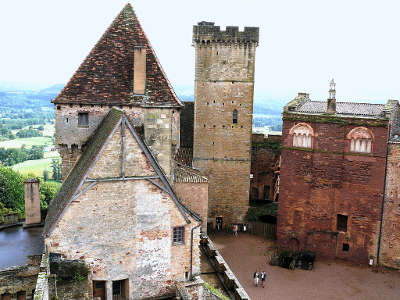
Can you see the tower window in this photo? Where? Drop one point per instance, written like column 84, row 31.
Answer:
column 235, row 116
column 178, row 235
column 342, row 223
column 83, row 119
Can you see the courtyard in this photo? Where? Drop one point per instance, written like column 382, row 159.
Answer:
column 328, row 280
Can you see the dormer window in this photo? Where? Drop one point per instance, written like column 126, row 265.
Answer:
column 83, row 119
column 360, row 140
column 302, row 135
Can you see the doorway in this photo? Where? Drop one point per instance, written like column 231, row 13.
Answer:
column 21, row 295
column 218, row 222
column 99, row 289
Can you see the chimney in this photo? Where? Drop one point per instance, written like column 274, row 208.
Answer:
column 139, row 70
column 331, row 109
column 32, row 202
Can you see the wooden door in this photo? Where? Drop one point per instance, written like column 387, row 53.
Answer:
column 6, row 297
column 21, row 296
column 99, row 289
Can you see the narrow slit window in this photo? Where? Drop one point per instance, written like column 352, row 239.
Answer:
column 235, row 116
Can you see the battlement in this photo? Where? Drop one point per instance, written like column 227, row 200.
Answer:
column 205, row 32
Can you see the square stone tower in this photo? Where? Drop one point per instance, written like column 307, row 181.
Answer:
column 224, row 87
column 32, row 201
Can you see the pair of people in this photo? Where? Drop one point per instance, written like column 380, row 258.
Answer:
column 259, row 276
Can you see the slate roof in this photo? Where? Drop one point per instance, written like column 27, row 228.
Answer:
column 186, row 174
column 344, row 108
column 78, row 173
column 106, row 75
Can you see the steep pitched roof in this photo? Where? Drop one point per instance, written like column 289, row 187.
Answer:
column 106, row 75
column 185, row 174
column 78, row 174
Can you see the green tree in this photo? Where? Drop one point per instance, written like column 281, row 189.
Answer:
column 45, row 175
column 12, row 189
column 48, row 191
column 56, row 167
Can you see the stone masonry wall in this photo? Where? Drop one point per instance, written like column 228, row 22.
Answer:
column 161, row 128
column 123, row 230
column 318, row 184
column 224, row 82
column 194, row 196
column 390, row 240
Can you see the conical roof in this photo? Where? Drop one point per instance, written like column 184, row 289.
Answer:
column 106, row 75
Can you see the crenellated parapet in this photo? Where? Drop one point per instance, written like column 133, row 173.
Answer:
column 207, row 32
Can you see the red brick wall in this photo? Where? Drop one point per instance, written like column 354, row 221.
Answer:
column 319, row 184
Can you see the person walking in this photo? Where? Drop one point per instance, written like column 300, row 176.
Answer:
column 235, row 230
column 263, row 278
column 255, row 277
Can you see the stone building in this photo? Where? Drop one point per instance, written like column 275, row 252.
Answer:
column 116, row 211
column 126, row 208
column 224, row 85
column 265, row 156
column 332, row 184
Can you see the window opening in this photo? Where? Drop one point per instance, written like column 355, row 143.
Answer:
column 346, row 247
column 178, row 235
column 235, row 116
column 342, row 223
column 83, row 119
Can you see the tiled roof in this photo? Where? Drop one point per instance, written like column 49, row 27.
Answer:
column 344, row 108
column 106, row 75
column 185, row 174
column 184, row 156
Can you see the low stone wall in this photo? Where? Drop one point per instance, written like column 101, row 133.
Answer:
column 228, row 277
column 42, row 284
column 20, row 279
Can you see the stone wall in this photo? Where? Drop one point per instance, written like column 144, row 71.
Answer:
column 194, row 195
column 123, row 229
column 263, row 166
column 20, row 279
column 224, row 82
column 161, row 126
column 32, row 201
column 319, row 184
column 390, row 239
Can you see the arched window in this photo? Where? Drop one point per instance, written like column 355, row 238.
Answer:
column 360, row 139
column 235, row 116
column 302, row 135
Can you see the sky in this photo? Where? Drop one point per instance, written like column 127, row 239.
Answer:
column 303, row 44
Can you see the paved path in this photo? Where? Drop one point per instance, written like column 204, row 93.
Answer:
column 335, row 280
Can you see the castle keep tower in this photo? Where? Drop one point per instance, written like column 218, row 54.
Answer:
column 224, row 86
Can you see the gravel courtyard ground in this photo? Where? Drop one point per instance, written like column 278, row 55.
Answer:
column 328, row 280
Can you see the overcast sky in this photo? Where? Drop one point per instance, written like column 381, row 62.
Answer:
column 302, row 43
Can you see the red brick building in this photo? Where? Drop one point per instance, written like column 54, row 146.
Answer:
column 332, row 182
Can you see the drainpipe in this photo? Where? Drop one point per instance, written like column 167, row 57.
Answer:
column 191, row 248
column 383, row 201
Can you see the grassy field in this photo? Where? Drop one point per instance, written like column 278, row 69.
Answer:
column 35, row 167
column 28, row 142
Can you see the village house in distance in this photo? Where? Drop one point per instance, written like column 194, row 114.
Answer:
column 334, row 199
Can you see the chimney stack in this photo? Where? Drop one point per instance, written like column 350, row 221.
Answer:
column 139, row 70
column 32, row 202
column 331, row 109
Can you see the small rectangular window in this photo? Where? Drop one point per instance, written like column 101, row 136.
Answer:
column 178, row 235
column 83, row 119
column 346, row 247
column 342, row 223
